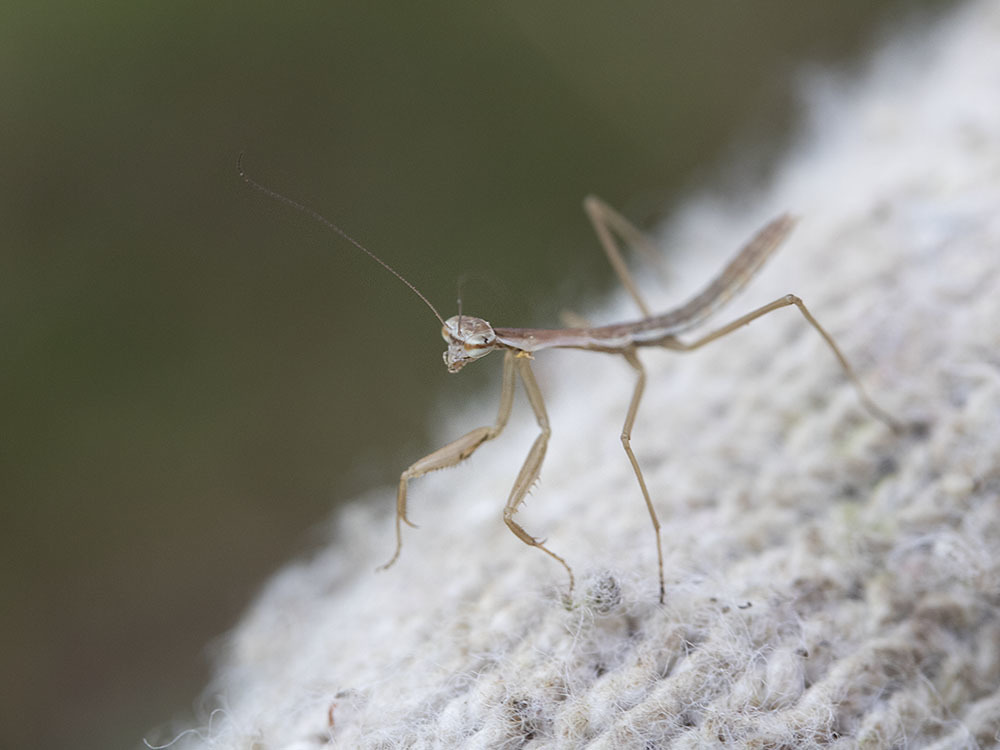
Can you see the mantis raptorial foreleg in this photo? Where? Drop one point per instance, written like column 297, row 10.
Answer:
column 459, row 450
column 790, row 299
column 532, row 465
column 454, row 452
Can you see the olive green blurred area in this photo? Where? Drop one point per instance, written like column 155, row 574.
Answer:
column 192, row 375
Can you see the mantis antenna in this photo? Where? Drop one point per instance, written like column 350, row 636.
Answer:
column 330, row 225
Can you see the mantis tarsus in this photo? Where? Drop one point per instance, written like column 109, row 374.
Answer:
column 470, row 338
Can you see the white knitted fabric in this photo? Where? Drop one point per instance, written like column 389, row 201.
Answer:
column 829, row 582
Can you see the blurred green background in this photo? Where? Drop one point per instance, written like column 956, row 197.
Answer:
column 192, row 376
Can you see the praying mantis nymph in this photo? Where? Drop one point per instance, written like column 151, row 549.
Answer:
column 469, row 338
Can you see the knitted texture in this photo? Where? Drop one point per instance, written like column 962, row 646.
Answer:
column 829, row 582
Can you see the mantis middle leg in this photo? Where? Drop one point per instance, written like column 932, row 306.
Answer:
column 633, row 408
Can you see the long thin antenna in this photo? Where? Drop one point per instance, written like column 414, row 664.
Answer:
column 330, row 225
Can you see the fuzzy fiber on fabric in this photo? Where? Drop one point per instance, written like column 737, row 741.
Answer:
column 830, row 583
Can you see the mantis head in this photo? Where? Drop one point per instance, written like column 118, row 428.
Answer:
column 468, row 339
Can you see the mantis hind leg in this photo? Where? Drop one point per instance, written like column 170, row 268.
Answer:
column 788, row 300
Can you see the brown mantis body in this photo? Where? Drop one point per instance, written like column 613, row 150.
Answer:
column 470, row 338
